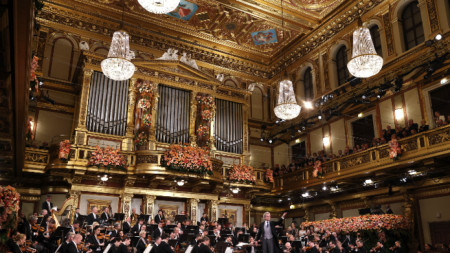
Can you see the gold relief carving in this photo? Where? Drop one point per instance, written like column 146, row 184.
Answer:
column 333, row 213
column 388, row 32
column 149, row 203
column 193, row 116
column 38, row 156
column 131, row 105
column 384, row 153
column 439, row 138
column 30, row 198
column 193, row 203
column 146, row 159
column 129, row 182
column 317, row 74
column 432, row 16
column 126, row 203
column 55, row 107
column 307, row 214
column 77, row 179
column 75, row 195
column 409, row 145
column 325, row 71
column 347, row 163
column 213, row 209
column 152, row 135
column 84, row 98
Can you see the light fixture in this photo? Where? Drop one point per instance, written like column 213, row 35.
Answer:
column 235, row 190
column 279, row 200
column 324, row 188
column 326, row 141
column 403, row 180
column 289, row 199
column 262, row 139
column 319, row 117
column 305, row 195
column 159, row 6
column 180, row 182
column 308, row 105
column 31, row 124
column 270, row 141
column 287, row 107
column 444, row 80
column 334, row 188
column 118, row 65
column 399, row 113
column 104, row 178
column 365, row 62
column 291, row 207
column 297, row 141
column 438, row 36
column 368, row 182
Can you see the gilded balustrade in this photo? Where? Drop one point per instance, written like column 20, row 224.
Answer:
column 421, row 146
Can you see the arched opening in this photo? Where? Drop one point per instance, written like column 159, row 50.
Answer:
column 341, row 65
column 376, row 38
column 413, row 33
column 308, row 84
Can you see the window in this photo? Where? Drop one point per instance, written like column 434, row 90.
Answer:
column 363, row 131
column 341, row 65
column 375, row 34
column 307, row 81
column 412, row 26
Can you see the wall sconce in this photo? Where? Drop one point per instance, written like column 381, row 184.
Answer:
column 399, row 114
column 292, row 207
column 326, row 141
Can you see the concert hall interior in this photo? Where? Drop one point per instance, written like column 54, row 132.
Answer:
column 173, row 126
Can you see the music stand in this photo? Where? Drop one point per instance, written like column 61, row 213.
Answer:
column 119, row 216
column 237, row 229
column 144, row 217
column 297, row 244
column 173, row 243
column 212, row 240
column 180, row 218
column 222, row 221
column 244, row 238
column 283, row 239
column 60, row 233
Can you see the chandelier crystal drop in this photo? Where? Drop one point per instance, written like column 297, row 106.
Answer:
column 118, row 65
column 159, row 6
column 365, row 62
column 287, row 107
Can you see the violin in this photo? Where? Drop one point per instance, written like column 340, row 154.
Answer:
column 35, row 227
column 375, row 249
column 83, row 247
column 393, row 248
column 27, row 249
column 102, row 236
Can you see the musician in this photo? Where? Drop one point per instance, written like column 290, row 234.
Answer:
column 92, row 217
column 77, row 214
column 158, row 231
column 105, row 215
column 19, row 241
column 332, row 248
column 359, row 247
column 252, row 245
column 47, row 204
column 267, row 234
column 126, row 226
column 137, row 228
column 287, row 247
column 204, row 218
column 164, row 246
column 63, row 247
column 204, row 246
column 95, row 243
column 397, row 248
column 142, row 242
column 195, row 243
column 379, row 248
column 115, row 231
column 133, row 216
column 312, row 247
column 159, row 217
column 123, row 248
column 75, row 228
column 115, row 247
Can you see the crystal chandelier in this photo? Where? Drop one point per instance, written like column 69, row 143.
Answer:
column 365, row 62
column 159, row 6
column 287, row 107
column 118, row 65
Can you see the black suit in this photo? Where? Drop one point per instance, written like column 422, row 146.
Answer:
column 136, row 229
column 204, row 249
column 156, row 232
column 64, row 247
column 91, row 219
column 126, row 227
column 158, row 218
column 104, row 217
column 76, row 216
column 114, row 234
column 204, row 219
column 164, row 248
column 94, row 244
column 72, row 248
column 122, row 248
column 141, row 245
column 46, row 207
column 15, row 248
column 274, row 243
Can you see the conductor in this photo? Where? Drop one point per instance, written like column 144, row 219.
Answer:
column 267, row 234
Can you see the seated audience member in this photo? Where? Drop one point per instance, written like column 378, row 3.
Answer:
column 423, row 126
column 412, row 125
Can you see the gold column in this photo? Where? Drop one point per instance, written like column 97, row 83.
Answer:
column 247, row 218
column 126, row 204
column 75, row 195
column 127, row 143
column 193, row 116
column 245, row 110
column 193, row 204
column 212, row 140
column 333, row 213
column 149, row 205
column 213, row 206
column 80, row 134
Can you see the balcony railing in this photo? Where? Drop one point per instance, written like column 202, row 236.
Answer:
column 424, row 145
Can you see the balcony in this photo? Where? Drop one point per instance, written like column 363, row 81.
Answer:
column 420, row 147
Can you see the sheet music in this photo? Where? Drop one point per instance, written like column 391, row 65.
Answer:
column 107, row 248
column 229, row 250
column 189, row 249
column 148, row 249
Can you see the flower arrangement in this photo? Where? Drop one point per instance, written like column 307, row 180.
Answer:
column 187, row 159
column 318, row 171
column 108, row 157
column 242, row 173
column 394, row 149
column 141, row 138
column 365, row 222
column 269, row 176
column 34, row 82
column 144, row 104
column 146, row 93
column 203, row 130
column 206, row 108
column 64, row 150
column 9, row 199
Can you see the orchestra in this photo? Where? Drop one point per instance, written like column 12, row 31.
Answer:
column 95, row 233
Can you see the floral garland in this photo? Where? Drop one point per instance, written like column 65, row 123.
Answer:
column 318, row 171
column 242, row 173
column 207, row 110
column 141, row 138
column 108, row 157
column 146, row 91
column 9, row 199
column 394, row 149
column 187, row 159
column 64, row 150
column 202, row 130
column 365, row 222
column 269, row 176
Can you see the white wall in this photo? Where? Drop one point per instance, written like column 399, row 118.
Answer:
column 338, row 141
column 27, row 208
column 350, row 213
column 321, row 216
column 136, row 203
column 84, row 202
column 179, row 204
column 200, row 210
column 316, row 138
column 281, row 154
column 433, row 210
column 238, row 213
column 260, row 155
column 57, row 200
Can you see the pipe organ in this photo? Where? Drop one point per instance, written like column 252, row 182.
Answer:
column 172, row 120
column 108, row 105
column 228, row 126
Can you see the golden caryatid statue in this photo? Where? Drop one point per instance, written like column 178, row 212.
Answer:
column 134, row 217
